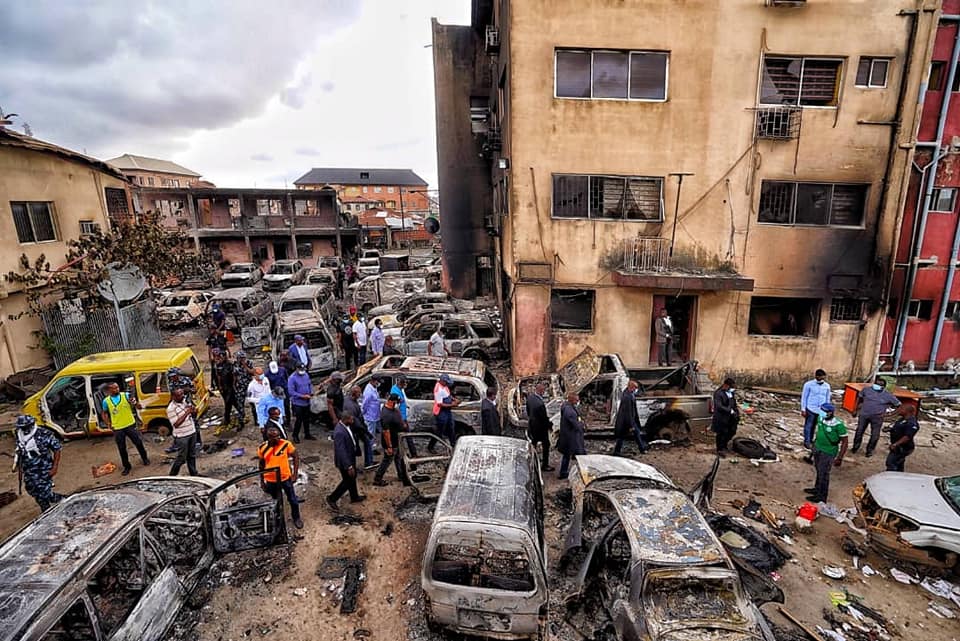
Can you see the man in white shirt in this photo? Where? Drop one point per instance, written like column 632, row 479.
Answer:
column 180, row 414
column 257, row 390
column 437, row 347
column 360, row 340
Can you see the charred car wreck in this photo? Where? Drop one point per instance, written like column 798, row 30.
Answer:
column 119, row 562
column 912, row 517
column 671, row 401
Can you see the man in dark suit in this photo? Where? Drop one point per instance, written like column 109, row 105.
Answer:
column 489, row 417
column 538, row 424
column 627, row 423
column 344, row 458
column 571, row 441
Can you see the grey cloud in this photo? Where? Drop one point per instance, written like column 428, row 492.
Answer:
column 261, row 157
column 295, row 96
column 308, row 151
column 100, row 75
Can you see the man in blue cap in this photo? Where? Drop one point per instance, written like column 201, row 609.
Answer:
column 829, row 446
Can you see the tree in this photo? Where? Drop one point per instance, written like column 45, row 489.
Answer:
column 162, row 255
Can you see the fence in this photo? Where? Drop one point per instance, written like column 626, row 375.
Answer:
column 646, row 254
column 73, row 332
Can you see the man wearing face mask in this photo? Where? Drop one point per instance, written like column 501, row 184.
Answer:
column 627, row 422
column 872, row 403
column 816, row 392
column 726, row 415
column 829, row 446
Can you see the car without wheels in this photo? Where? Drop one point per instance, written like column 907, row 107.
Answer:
column 241, row 275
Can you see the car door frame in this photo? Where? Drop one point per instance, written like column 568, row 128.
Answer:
column 270, row 510
column 431, row 488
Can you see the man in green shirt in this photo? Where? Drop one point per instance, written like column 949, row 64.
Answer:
column 829, row 446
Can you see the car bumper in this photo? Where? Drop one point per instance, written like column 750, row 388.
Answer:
column 276, row 285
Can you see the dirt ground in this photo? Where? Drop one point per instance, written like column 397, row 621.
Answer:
column 278, row 593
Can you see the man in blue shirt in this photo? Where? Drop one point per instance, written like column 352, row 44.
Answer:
column 370, row 406
column 274, row 399
column 400, row 389
column 816, row 393
column 300, row 389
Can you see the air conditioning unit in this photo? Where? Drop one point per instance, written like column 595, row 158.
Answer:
column 88, row 228
column 492, row 39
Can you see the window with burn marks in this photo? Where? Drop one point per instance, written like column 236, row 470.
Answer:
column 571, row 309
column 781, row 316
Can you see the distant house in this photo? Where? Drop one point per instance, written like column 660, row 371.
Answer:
column 154, row 172
column 387, row 227
column 48, row 196
column 395, row 188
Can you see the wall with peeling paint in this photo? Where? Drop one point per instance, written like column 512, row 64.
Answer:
column 705, row 127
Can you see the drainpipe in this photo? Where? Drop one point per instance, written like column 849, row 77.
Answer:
column 928, row 194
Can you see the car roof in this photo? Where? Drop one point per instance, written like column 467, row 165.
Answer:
column 143, row 358
column 439, row 365
column 38, row 561
column 301, row 291
column 594, row 467
column 665, row 528
column 243, row 265
column 300, row 319
column 234, row 293
column 488, row 480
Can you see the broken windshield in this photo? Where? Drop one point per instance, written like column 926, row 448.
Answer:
column 240, row 269
column 315, row 339
column 949, row 486
column 482, row 566
column 304, row 304
column 281, row 269
column 685, row 599
column 176, row 301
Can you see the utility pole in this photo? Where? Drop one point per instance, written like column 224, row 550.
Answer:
column 676, row 208
column 403, row 225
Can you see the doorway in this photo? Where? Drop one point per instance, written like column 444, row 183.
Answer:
column 681, row 311
column 280, row 251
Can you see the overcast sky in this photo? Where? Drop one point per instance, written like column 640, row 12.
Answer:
column 245, row 93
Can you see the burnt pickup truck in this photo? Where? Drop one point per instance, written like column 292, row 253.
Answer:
column 671, row 401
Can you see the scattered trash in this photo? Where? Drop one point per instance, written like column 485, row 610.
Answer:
column 809, row 512
column 361, row 633
column 941, row 611
column 853, row 548
column 103, row 470
column 346, row 519
column 943, row 589
column 387, row 529
column 300, row 592
column 761, row 553
column 829, row 509
column 751, row 510
column 903, row 577
column 7, row 498
column 833, row 572
column 734, row 540
column 217, row 446
column 868, row 571
column 775, row 576
column 237, row 452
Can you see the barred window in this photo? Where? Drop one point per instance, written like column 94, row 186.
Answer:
column 807, row 82
column 116, row 202
column 821, row 204
column 34, row 221
column 846, row 310
column 608, row 197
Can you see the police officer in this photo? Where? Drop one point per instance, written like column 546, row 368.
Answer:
column 902, row 434
column 37, row 458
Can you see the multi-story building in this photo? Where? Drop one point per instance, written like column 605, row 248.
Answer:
column 154, row 172
column 923, row 322
column 399, row 189
column 49, row 195
column 740, row 164
column 260, row 225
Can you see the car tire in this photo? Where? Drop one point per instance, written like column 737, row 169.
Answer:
column 160, row 426
column 750, row 448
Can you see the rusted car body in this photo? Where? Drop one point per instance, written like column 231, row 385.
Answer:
column 484, row 563
column 117, row 563
column 182, row 307
column 645, row 550
column 671, row 401
column 390, row 287
column 912, row 517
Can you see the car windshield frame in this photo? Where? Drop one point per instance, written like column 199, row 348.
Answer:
column 176, row 300
column 240, row 269
column 658, row 575
column 949, row 488
column 282, row 270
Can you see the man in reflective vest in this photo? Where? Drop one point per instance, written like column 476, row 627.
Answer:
column 118, row 415
column 278, row 453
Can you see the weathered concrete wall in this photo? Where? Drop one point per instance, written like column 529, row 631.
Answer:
column 706, row 127
column 76, row 192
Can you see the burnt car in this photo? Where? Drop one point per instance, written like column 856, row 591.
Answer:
column 185, row 307
column 467, row 335
column 408, row 303
column 241, row 275
column 671, row 401
column 120, row 562
column 912, row 517
column 646, row 559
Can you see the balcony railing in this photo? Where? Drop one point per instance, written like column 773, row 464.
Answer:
column 646, row 254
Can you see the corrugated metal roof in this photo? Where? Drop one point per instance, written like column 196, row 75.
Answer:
column 13, row 139
column 129, row 162
column 359, row 176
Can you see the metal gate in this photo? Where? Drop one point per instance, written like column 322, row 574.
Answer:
column 72, row 331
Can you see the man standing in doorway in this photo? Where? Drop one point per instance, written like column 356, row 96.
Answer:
column 360, row 340
column 627, row 422
column 726, row 415
column 664, row 331
column 277, row 453
column 571, row 441
column 902, row 434
column 872, row 403
column 538, row 424
column 829, row 446
column 815, row 393
column 118, row 415
column 180, row 414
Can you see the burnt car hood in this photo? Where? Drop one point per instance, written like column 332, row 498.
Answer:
column 580, row 370
column 915, row 496
column 707, row 634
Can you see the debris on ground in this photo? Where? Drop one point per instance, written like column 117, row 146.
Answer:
column 760, row 553
column 217, row 446
column 352, row 571
column 7, row 497
column 103, row 470
column 346, row 519
column 833, row 572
